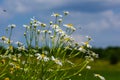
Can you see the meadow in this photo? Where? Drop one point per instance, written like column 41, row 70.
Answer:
column 50, row 53
column 110, row 72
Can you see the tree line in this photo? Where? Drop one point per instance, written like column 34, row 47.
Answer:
column 110, row 53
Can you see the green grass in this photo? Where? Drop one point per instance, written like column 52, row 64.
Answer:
column 110, row 72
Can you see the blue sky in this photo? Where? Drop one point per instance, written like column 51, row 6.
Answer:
column 99, row 19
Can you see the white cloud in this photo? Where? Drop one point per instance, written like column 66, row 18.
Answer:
column 22, row 6
column 113, row 18
column 98, row 21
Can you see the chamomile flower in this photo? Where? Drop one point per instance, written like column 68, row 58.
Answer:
column 12, row 26
column 56, row 15
column 3, row 38
column 88, row 67
column 89, row 38
column 19, row 43
column 21, row 48
column 43, row 25
column 56, row 61
column 82, row 49
column 26, row 26
column 87, row 44
column 70, row 26
column 51, row 22
column 49, row 32
column 59, row 20
column 66, row 13
column 55, row 26
column 42, row 57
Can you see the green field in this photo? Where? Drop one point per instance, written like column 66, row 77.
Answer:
column 110, row 72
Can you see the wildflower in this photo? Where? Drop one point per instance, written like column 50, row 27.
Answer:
column 70, row 26
column 87, row 44
column 33, row 20
column 19, row 55
column 3, row 38
column 49, row 32
column 66, row 13
column 26, row 26
column 8, row 41
column 11, row 64
column 56, row 61
column 56, row 15
column 89, row 38
column 95, row 55
column 21, row 48
column 42, row 57
column 10, row 48
column 67, row 39
column 43, row 25
column 89, row 58
column 99, row 76
column 51, row 37
column 82, row 49
column 55, row 26
column 45, row 31
column 79, row 74
column 18, row 43
column 88, row 67
column 59, row 20
column 38, row 31
column 24, row 34
column 51, row 22
column 7, row 78
column 14, row 58
column 12, row 26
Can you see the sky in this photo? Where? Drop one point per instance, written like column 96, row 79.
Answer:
column 99, row 19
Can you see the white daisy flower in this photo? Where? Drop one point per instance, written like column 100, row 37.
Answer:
column 56, row 61
column 41, row 57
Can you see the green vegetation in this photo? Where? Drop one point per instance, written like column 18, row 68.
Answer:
column 110, row 72
column 48, row 54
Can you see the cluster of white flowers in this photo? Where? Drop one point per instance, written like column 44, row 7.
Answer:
column 47, row 46
column 45, row 58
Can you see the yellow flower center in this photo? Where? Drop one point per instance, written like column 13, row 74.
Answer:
column 43, row 55
column 86, row 43
column 70, row 25
column 3, row 38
